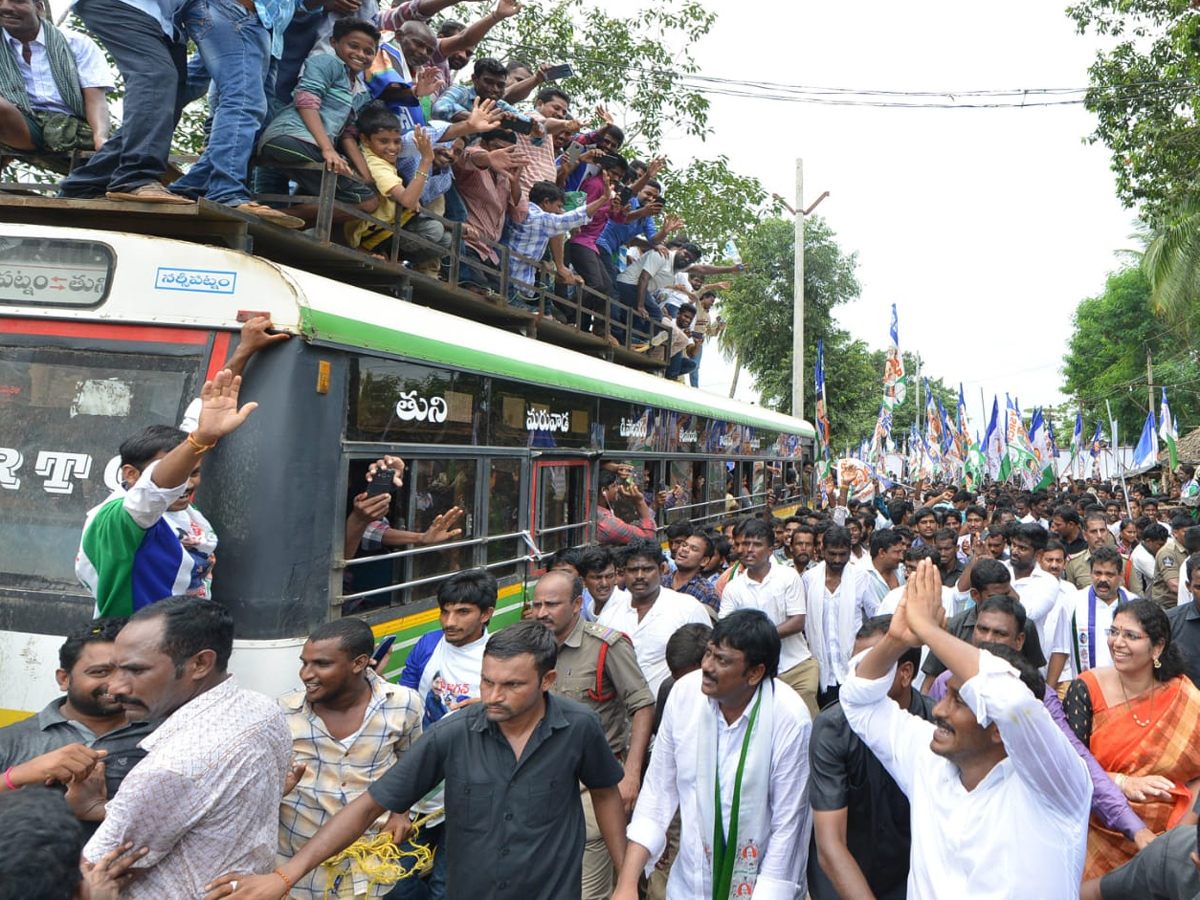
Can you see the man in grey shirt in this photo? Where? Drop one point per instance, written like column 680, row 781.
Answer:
column 67, row 740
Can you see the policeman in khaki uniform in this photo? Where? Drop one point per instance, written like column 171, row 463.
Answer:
column 1078, row 570
column 597, row 667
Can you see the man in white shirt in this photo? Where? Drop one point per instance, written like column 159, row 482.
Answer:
column 1037, row 588
column 444, row 669
column 599, row 574
column 1154, row 538
column 1091, row 614
column 777, row 591
column 205, row 799
column 991, row 781
column 836, row 610
column 732, row 731
column 53, row 84
column 653, row 613
column 885, row 570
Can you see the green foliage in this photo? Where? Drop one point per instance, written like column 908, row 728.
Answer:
column 1142, row 91
column 1171, row 263
column 1106, row 359
column 716, row 202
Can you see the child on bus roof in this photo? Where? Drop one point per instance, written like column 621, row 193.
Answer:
column 328, row 95
column 380, row 141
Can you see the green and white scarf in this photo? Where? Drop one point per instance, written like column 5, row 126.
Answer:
column 735, row 853
column 62, row 66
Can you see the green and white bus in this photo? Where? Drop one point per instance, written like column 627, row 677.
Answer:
column 105, row 332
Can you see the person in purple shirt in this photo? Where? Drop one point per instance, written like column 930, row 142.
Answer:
column 1001, row 620
column 581, row 249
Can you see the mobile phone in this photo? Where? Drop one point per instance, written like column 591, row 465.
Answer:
column 625, row 194
column 381, row 482
column 382, row 650
column 520, row 126
column 574, row 152
column 559, row 72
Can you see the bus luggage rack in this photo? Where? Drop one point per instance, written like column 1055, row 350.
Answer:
column 559, row 320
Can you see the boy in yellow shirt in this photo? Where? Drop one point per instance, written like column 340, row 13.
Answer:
column 380, row 140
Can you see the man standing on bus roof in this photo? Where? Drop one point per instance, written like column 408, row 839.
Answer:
column 135, row 548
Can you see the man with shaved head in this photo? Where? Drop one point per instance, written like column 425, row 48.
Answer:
column 598, row 668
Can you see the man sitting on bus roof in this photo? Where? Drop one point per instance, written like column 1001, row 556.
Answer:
column 53, row 83
column 146, row 542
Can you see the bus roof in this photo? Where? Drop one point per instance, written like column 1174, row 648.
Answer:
column 162, row 281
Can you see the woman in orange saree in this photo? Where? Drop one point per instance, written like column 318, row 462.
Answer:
column 1140, row 718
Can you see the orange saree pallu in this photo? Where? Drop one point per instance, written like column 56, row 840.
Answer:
column 1169, row 745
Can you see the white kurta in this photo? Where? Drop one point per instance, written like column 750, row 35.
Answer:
column 671, row 783
column 1028, row 815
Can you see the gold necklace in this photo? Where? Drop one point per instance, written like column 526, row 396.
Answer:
column 1129, row 705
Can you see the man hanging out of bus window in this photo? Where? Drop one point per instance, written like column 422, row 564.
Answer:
column 146, row 541
column 53, row 83
column 611, row 528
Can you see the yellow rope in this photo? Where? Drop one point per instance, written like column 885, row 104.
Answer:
column 379, row 859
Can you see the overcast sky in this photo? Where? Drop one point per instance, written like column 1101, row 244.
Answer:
column 985, row 227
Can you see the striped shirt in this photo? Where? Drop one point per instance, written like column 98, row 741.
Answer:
column 338, row 771
column 530, row 238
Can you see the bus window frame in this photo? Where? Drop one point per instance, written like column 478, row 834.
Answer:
column 546, row 461
column 358, row 451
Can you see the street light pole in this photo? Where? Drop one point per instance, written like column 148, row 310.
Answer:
column 798, row 301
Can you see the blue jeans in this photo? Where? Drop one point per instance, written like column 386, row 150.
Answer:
column 154, row 69
column 627, row 294
column 680, row 365
column 236, row 50
column 695, row 376
column 433, row 887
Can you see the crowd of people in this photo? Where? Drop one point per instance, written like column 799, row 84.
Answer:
column 418, row 142
column 908, row 697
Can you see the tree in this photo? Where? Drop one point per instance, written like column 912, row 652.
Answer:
column 1142, row 91
column 1171, row 264
column 758, row 315
column 1106, row 358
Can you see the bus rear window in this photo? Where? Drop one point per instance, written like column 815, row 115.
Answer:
column 50, row 272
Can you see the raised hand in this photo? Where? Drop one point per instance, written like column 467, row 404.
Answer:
column 442, row 527
column 219, row 412
column 505, row 159
column 483, row 115
column 423, row 142
column 923, row 598
column 506, row 9
column 429, row 79
column 255, row 337
column 603, row 114
column 655, row 165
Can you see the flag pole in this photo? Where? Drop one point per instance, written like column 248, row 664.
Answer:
column 1112, row 424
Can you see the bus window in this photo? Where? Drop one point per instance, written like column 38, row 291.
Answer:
column 441, row 485
column 504, row 514
column 717, row 473
column 38, row 271
column 688, row 478
column 68, row 412
column 562, row 505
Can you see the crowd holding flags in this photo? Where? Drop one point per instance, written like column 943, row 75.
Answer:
column 944, row 446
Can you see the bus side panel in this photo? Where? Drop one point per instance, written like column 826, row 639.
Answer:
column 273, row 486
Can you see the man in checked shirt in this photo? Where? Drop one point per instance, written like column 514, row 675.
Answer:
column 348, row 727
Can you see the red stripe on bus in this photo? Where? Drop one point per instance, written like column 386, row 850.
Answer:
column 151, row 334
column 220, row 352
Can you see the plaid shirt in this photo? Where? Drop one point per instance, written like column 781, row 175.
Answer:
column 702, row 589
column 529, row 238
column 487, row 195
column 611, row 529
column 461, row 99
column 337, row 773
